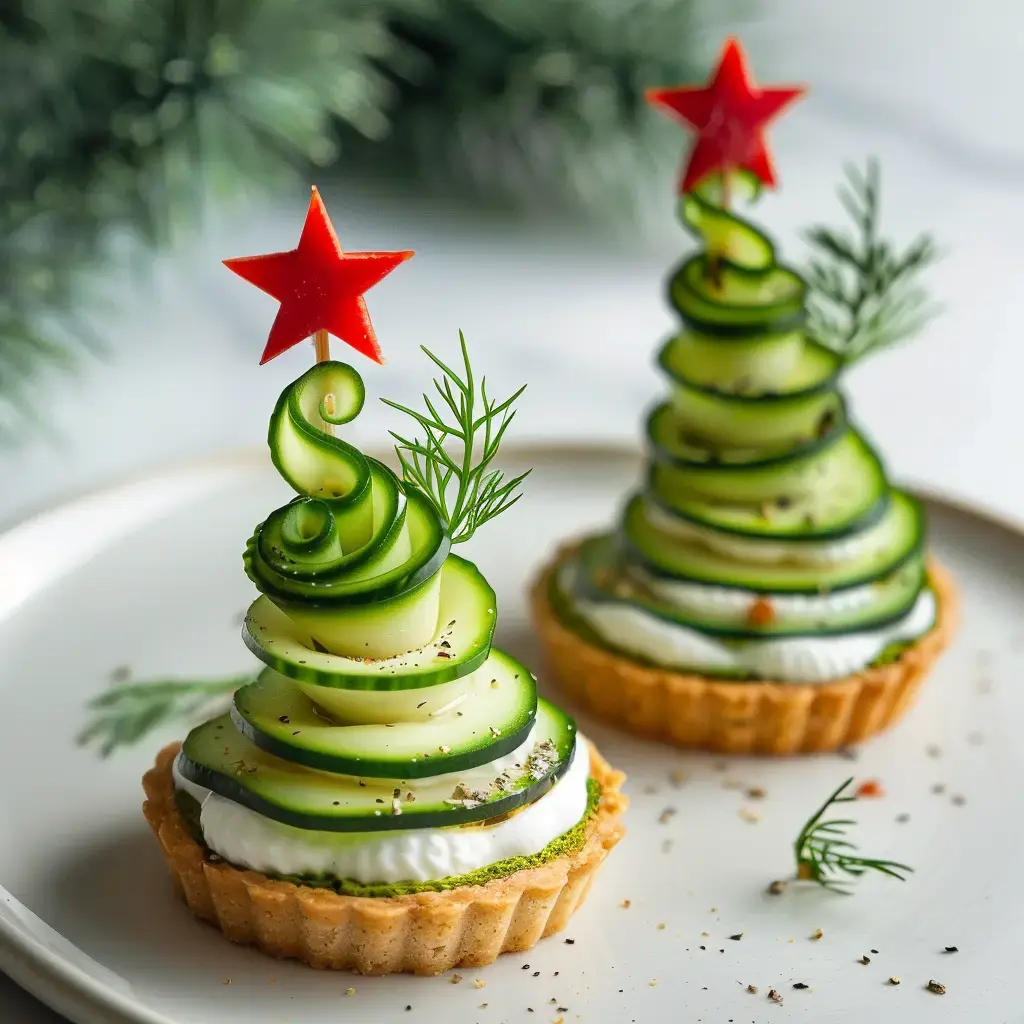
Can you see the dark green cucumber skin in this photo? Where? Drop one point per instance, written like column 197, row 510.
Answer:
column 738, row 633
column 489, row 749
column 412, row 817
column 663, row 455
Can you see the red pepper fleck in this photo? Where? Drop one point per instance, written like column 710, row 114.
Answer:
column 761, row 613
column 443, row 654
column 870, row 788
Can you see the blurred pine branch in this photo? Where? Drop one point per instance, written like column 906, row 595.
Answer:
column 119, row 115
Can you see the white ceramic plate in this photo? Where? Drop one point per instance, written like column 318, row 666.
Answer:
column 148, row 575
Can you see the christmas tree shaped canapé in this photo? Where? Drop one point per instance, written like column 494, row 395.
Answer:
column 767, row 589
column 389, row 793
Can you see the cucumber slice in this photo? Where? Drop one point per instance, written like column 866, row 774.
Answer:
column 462, row 633
column 732, row 421
column 389, row 570
column 729, row 300
column 790, row 479
column 673, row 447
column 853, row 497
column 727, row 236
column 491, row 716
column 759, row 368
column 601, row 576
column 368, row 606
column 216, row 756
column 661, row 554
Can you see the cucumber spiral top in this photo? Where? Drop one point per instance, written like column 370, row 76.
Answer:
column 759, row 488
column 353, row 536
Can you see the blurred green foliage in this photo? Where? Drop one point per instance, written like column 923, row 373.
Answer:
column 124, row 115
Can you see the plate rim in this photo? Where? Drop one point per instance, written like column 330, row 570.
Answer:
column 63, row 985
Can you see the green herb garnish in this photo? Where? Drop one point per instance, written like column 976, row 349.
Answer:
column 126, row 714
column 465, row 493
column 863, row 293
column 823, row 855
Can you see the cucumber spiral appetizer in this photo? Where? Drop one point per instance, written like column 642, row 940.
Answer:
column 383, row 705
column 766, row 540
column 388, row 794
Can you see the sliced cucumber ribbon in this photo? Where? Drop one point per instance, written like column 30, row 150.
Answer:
column 736, row 285
column 758, row 484
column 353, row 535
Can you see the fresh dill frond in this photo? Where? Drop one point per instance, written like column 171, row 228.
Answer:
column 464, row 490
column 863, row 293
column 124, row 715
column 824, row 855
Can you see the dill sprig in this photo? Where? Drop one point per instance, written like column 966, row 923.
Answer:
column 124, row 715
column 863, row 292
column 464, row 490
column 824, row 856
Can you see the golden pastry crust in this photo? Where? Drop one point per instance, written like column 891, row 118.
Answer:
column 422, row 933
column 769, row 718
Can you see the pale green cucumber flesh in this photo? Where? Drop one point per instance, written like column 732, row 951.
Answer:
column 764, row 369
column 851, row 498
column 764, row 300
column 492, row 718
column 795, row 480
column 721, row 421
column 601, row 576
column 673, row 447
column 661, row 554
column 465, row 628
column 216, row 756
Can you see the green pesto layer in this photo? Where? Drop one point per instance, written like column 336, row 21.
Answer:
column 569, row 842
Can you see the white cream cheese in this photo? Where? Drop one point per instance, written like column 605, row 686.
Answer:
column 803, row 659
column 248, row 839
column 733, row 604
column 799, row 659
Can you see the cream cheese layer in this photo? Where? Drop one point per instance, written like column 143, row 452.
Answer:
column 245, row 838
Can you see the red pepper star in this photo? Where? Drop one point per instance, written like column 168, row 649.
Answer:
column 729, row 115
column 319, row 286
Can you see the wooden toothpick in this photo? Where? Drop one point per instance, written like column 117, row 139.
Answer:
column 322, row 345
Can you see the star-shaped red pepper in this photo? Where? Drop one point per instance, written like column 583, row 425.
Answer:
column 729, row 115
column 319, row 286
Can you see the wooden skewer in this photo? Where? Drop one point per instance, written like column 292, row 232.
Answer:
column 726, row 187
column 322, row 345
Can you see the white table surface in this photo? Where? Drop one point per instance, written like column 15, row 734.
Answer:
column 577, row 310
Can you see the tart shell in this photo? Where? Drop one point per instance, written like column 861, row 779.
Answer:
column 767, row 718
column 421, row 933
